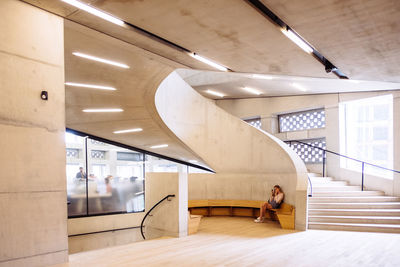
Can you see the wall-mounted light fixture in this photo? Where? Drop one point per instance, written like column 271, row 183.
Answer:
column 44, row 95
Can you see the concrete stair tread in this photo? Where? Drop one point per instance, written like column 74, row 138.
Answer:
column 356, row 203
column 353, row 199
column 357, row 197
column 357, row 210
column 313, row 174
column 359, row 224
column 349, row 192
column 356, row 217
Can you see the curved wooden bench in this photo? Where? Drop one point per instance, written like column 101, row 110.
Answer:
column 249, row 208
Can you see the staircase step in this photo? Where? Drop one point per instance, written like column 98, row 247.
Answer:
column 354, row 212
column 312, row 174
column 319, row 188
column 320, row 179
column 347, row 193
column 326, row 183
column 357, row 199
column 386, row 228
column 381, row 205
column 355, row 219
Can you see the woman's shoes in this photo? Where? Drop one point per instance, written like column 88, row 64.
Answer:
column 259, row 220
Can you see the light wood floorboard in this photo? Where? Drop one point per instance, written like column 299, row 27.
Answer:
column 236, row 241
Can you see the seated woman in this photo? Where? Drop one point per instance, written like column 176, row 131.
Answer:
column 274, row 202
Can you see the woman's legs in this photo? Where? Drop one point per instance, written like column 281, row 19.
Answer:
column 263, row 209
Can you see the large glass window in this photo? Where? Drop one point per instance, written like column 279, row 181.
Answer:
column 103, row 178
column 76, row 173
column 109, row 183
column 303, row 120
column 366, row 133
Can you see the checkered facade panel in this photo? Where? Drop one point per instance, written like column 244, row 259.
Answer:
column 72, row 153
column 307, row 153
column 98, row 154
column 254, row 122
column 310, row 119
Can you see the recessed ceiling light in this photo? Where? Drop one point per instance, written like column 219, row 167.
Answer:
column 251, row 90
column 354, row 81
column 260, row 76
column 94, row 11
column 215, row 93
column 103, row 110
column 193, row 161
column 297, row 40
column 129, row 131
column 300, row 87
column 208, row 62
column 159, row 146
column 90, row 86
column 102, row 60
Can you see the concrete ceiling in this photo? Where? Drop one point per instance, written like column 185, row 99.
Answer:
column 361, row 37
column 231, row 84
column 134, row 89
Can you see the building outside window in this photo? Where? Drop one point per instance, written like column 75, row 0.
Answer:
column 366, row 133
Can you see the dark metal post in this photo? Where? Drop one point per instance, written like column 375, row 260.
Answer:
column 323, row 163
column 86, row 178
column 362, row 177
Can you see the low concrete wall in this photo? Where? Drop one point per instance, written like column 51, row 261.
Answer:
column 248, row 187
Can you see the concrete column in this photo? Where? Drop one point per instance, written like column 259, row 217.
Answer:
column 33, row 208
column 170, row 217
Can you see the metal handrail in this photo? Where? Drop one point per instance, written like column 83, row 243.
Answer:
column 145, row 216
column 340, row 155
column 310, row 195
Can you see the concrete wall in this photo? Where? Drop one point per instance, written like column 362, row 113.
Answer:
column 33, row 208
column 269, row 108
column 235, row 150
column 97, row 232
column 170, row 217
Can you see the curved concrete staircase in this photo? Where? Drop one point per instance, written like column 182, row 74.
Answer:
column 335, row 205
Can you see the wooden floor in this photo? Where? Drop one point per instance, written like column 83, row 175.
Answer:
column 236, row 241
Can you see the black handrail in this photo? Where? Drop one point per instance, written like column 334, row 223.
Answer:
column 310, row 195
column 145, row 216
column 363, row 163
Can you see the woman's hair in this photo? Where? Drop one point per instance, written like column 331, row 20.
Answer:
column 277, row 186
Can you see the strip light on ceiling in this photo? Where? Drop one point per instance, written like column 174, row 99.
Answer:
column 260, row 76
column 103, row 110
column 95, row 12
column 297, row 40
column 129, row 131
column 91, row 86
column 300, row 87
column 251, row 90
column 159, row 146
column 208, row 62
column 102, row 60
column 211, row 92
